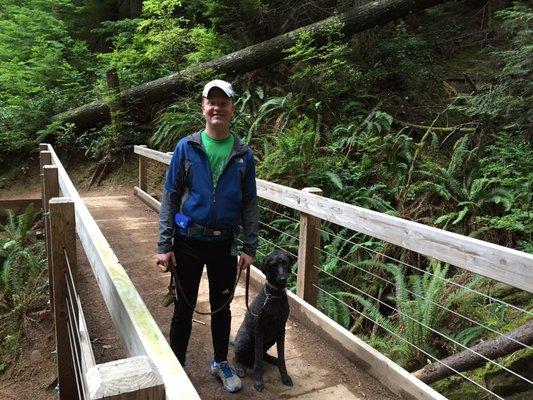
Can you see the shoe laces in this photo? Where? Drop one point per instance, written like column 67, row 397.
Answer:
column 226, row 370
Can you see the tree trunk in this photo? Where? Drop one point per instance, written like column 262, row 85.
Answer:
column 467, row 360
column 129, row 8
column 259, row 55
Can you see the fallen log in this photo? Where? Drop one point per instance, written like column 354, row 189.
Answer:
column 468, row 359
column 248, row 59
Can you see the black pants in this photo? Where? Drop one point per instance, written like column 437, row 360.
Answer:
column 191, row 256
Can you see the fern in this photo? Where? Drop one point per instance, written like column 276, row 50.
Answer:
column 177, row 121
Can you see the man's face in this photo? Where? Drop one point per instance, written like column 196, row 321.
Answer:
column 218, row 108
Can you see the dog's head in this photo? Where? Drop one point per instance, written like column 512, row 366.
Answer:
column 276, row 267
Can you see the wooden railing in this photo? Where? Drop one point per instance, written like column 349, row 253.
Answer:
column 151, row 370
column 496, row 262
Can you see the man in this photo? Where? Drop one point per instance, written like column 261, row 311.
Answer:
column 209, row 191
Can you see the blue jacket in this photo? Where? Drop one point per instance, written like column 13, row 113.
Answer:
column 189, row 190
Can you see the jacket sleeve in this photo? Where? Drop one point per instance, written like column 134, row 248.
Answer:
column 250, row 209
column 169, row 205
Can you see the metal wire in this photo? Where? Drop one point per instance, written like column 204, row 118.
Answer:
column 409, row 291
column 408, row 342
column 80, row 382
column 241, row 242
column 425, row 298
column 278, row 213
column 430, row 273
column 280, row 231
column 275, row 245
column 427, row 327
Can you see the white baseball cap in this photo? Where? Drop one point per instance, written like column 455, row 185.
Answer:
column 222, row 85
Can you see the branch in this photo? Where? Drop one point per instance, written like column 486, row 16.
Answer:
column 259, row 55
column 436, row 128
column 468, row 360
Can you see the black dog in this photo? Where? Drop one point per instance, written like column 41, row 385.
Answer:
column 260, row 331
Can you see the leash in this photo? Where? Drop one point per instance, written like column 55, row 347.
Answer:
column 268, row 296
column 178, row 284
column 246, row 294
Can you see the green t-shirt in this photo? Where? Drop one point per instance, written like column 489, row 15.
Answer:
column 217, row 153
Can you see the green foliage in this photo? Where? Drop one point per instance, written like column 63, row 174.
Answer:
column 506, row 101
column 292, row 153
column 334, row 304
column 157, row 44
column 340, row 114
column 40, row 72
column 23, row 278
column 415, row 299
column 318, row 69
column 179, row 120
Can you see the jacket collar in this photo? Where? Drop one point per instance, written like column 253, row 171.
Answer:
column 239, row 147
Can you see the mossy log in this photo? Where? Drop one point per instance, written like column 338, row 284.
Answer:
column 468, row 359
column 248, row 59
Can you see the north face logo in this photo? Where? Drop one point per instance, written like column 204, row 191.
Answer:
column 226, row 291
column 239, row 160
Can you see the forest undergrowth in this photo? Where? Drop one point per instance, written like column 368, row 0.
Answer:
column 427, row 118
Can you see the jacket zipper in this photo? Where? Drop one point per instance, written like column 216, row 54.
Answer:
column 215, row 186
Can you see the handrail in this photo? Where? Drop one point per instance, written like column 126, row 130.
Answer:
column 493, row 261
column 134, row 323
column 501, row 263
column 391, row 375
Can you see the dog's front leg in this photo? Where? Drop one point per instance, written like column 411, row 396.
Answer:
column 258, row 358
column 285, row 378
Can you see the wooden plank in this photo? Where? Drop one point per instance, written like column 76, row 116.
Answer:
column 143, row 178
column 493, row 261
column 45, row 158
column 63, row 236
column 147, row 199
column 388, row 373
column 133, row 378
column 308, row 254
column 134, row 323
column 87, row 355
column 18, row 206
column 153, row 154
column 50, row 184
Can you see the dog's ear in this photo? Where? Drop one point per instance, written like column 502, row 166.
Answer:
column 291, row 259
column 265, row 264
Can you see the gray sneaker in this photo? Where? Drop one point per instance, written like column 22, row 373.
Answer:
column 223, row 371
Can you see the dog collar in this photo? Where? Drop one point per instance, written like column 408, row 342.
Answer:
column 270, row 295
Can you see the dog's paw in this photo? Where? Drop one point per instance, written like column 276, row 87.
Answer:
column 259, row 385
column 286, row 380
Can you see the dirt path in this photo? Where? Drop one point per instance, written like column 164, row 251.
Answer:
column 131, row 229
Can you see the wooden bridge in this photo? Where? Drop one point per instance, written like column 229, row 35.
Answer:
column 116, row 241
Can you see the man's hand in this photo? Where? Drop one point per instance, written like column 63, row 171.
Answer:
column 167, row 260
column 245, row 261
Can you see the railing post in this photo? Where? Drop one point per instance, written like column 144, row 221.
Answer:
column 63, row 239
column 50, row 184
column 45, row 158
column 143, row 179
column 309, row 254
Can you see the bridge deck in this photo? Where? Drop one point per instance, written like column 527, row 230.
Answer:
column 130, row 227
